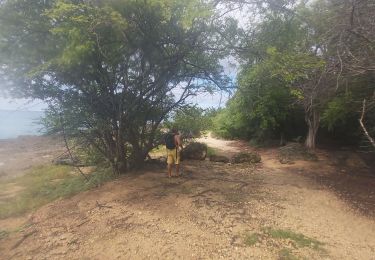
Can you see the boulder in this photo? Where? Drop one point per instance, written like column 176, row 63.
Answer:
column 194, row 151
column 66, row 160
column 251, row 157
column 219, row 158
column 159, row 162
column 295, row 151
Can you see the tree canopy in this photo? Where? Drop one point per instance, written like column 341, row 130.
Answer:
column 303, row 56
column 112, row 71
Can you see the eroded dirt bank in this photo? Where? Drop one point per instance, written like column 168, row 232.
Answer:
column 209, row 213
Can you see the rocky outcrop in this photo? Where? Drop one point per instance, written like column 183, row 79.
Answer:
column 194, row 151
column 295, row 151
column 243, row 157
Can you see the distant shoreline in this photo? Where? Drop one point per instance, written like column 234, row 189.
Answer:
column 23, row 137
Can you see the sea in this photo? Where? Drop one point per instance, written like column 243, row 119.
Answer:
column 16, row 123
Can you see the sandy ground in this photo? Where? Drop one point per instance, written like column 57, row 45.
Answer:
column 20, row 154
column 203, row 215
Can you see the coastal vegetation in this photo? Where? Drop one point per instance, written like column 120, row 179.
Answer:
column 111, row 71
column 43, row 184
column 305, row 68
column 283, row 170
column 114, row 73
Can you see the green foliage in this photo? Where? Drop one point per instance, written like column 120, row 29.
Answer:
column 338, row 111
column 111, row 71
column 3, row 234
column 260, row 107
column 251, row 239
column 299, row 239
column 286, row 254
column 191, row 119
column 44, row 184
column 230, row 122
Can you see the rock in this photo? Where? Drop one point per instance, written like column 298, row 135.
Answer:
column 295, row 151
column 66, row 160
column 158, row 162
column 219, row 158
column 194, row 151
column 252, row 157
column 285, row 161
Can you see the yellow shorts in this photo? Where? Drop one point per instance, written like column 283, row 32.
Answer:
column 173, row 156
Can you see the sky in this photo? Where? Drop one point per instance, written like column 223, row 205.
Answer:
column 22, row 104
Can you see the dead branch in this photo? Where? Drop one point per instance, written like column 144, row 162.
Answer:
column 69, row 152
column 19, row 242
column 363, row 125
column 102, row 205
column 82, row 223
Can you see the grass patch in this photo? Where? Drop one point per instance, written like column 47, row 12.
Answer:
column 3, row 234
column 251, row 239
column 158, row 151
column 6, row 233
column 44, row 184
column 286, row 254
column 299, row 239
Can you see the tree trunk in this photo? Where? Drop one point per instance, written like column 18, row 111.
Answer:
column 312, row 120
column 121, row 160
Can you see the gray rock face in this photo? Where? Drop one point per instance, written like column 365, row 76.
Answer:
column 295, row 151
column 66, row 161
column 194, row 151
column 251, row 157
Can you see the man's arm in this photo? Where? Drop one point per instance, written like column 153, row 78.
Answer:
column 178, row 141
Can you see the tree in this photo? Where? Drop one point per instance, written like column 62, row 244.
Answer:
column 190, row 120
column 295, row 71
column 352, row 40
column 111, row 71
column 309, row 79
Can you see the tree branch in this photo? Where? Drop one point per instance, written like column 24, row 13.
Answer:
column 363, row 125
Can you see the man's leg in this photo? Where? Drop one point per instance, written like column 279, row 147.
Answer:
column 178, row 161
column 169, row 170
column 170, row 161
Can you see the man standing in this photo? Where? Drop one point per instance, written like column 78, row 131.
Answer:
column 173, row 144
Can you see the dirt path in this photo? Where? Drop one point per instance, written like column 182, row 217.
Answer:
column 212, row 212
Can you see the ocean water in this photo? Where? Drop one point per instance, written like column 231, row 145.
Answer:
column 16, row 123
